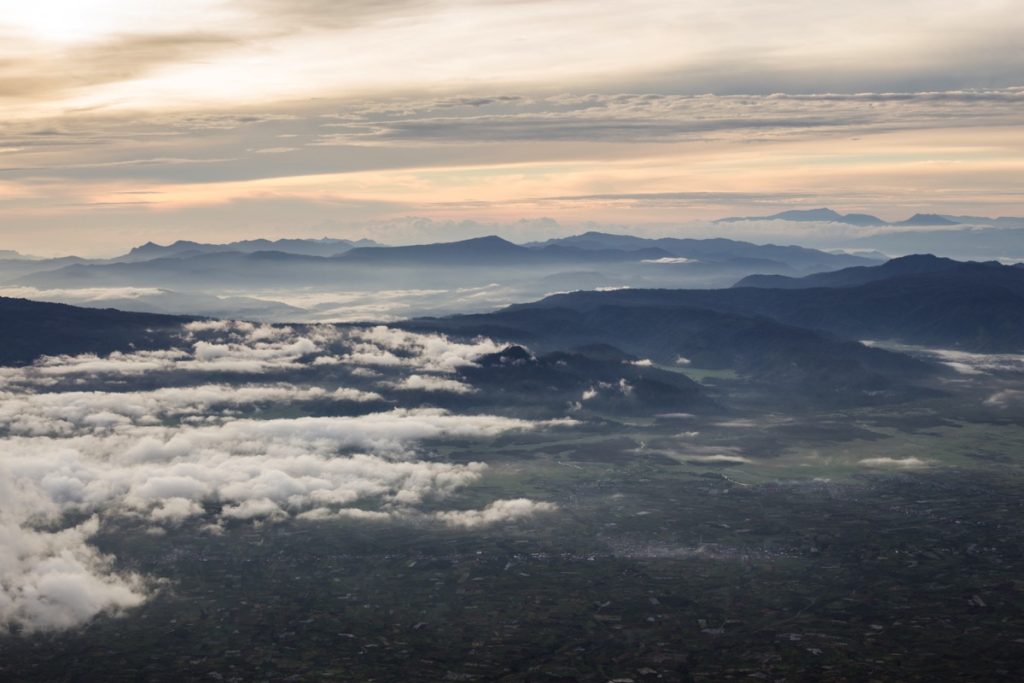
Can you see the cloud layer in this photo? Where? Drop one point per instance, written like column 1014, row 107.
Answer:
column 192, row 454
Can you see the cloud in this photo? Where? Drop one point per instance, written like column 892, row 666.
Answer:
column 670, row 260
column 496, row 512
column 433, row 383
column 641, row 118
column 963, row 362
column 387, row 346
column 68, row 412
column 55, row 72
column 719, row 457
column 1005, row 398
column 51, row 581
column 69, row 454
column 229, row 347
column 349, row 394
column 621, row 387
column 895, row 463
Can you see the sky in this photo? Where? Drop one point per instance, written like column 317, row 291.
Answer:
column 424, row 120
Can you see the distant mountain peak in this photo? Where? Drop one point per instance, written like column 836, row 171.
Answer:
column 487, row 240
column 823, row 215
column 927, row 219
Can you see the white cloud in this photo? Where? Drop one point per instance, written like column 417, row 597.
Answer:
column 231, row 471
column 55, row 580
column 387, row 346
column 433, row 383
column 669, row 261
column 896, row 463
column 349, row 394
column 1005, row 397
column 64, row 412
column 176, row 455
column 964, row 362
column 720, row 457
column 496, row 512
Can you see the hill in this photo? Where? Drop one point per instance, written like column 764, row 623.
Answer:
column 971, row 306
column 30, row 329
column 790, row 362
column 915, row 264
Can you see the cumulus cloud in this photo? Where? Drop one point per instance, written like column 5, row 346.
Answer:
column 57, row 580
column 230, row 472
column 386, row 346
column 349, row 394
column 185, row 454
column 495, row 512
column 433, row 383
column 74, row 411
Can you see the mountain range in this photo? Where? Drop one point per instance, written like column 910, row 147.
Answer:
column 239, row 280
column 915, row 300
column 792, row 338
column 325, row 246
column 825, row 215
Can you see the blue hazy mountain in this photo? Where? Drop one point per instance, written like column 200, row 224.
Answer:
column 464, row 263
column 715, row 250
column 926, row 219
column 825, row 215
column 492, row 250
column 18, row 265
column 308, row 247
column 822, row 215
column 967, row 242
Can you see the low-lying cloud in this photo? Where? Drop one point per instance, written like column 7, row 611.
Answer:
column 199, row 455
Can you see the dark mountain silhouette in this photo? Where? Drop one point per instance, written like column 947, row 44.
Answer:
column 30, row 329
column 795, row 361
column 928, row 301
column 513, row 376
column 859, row 275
